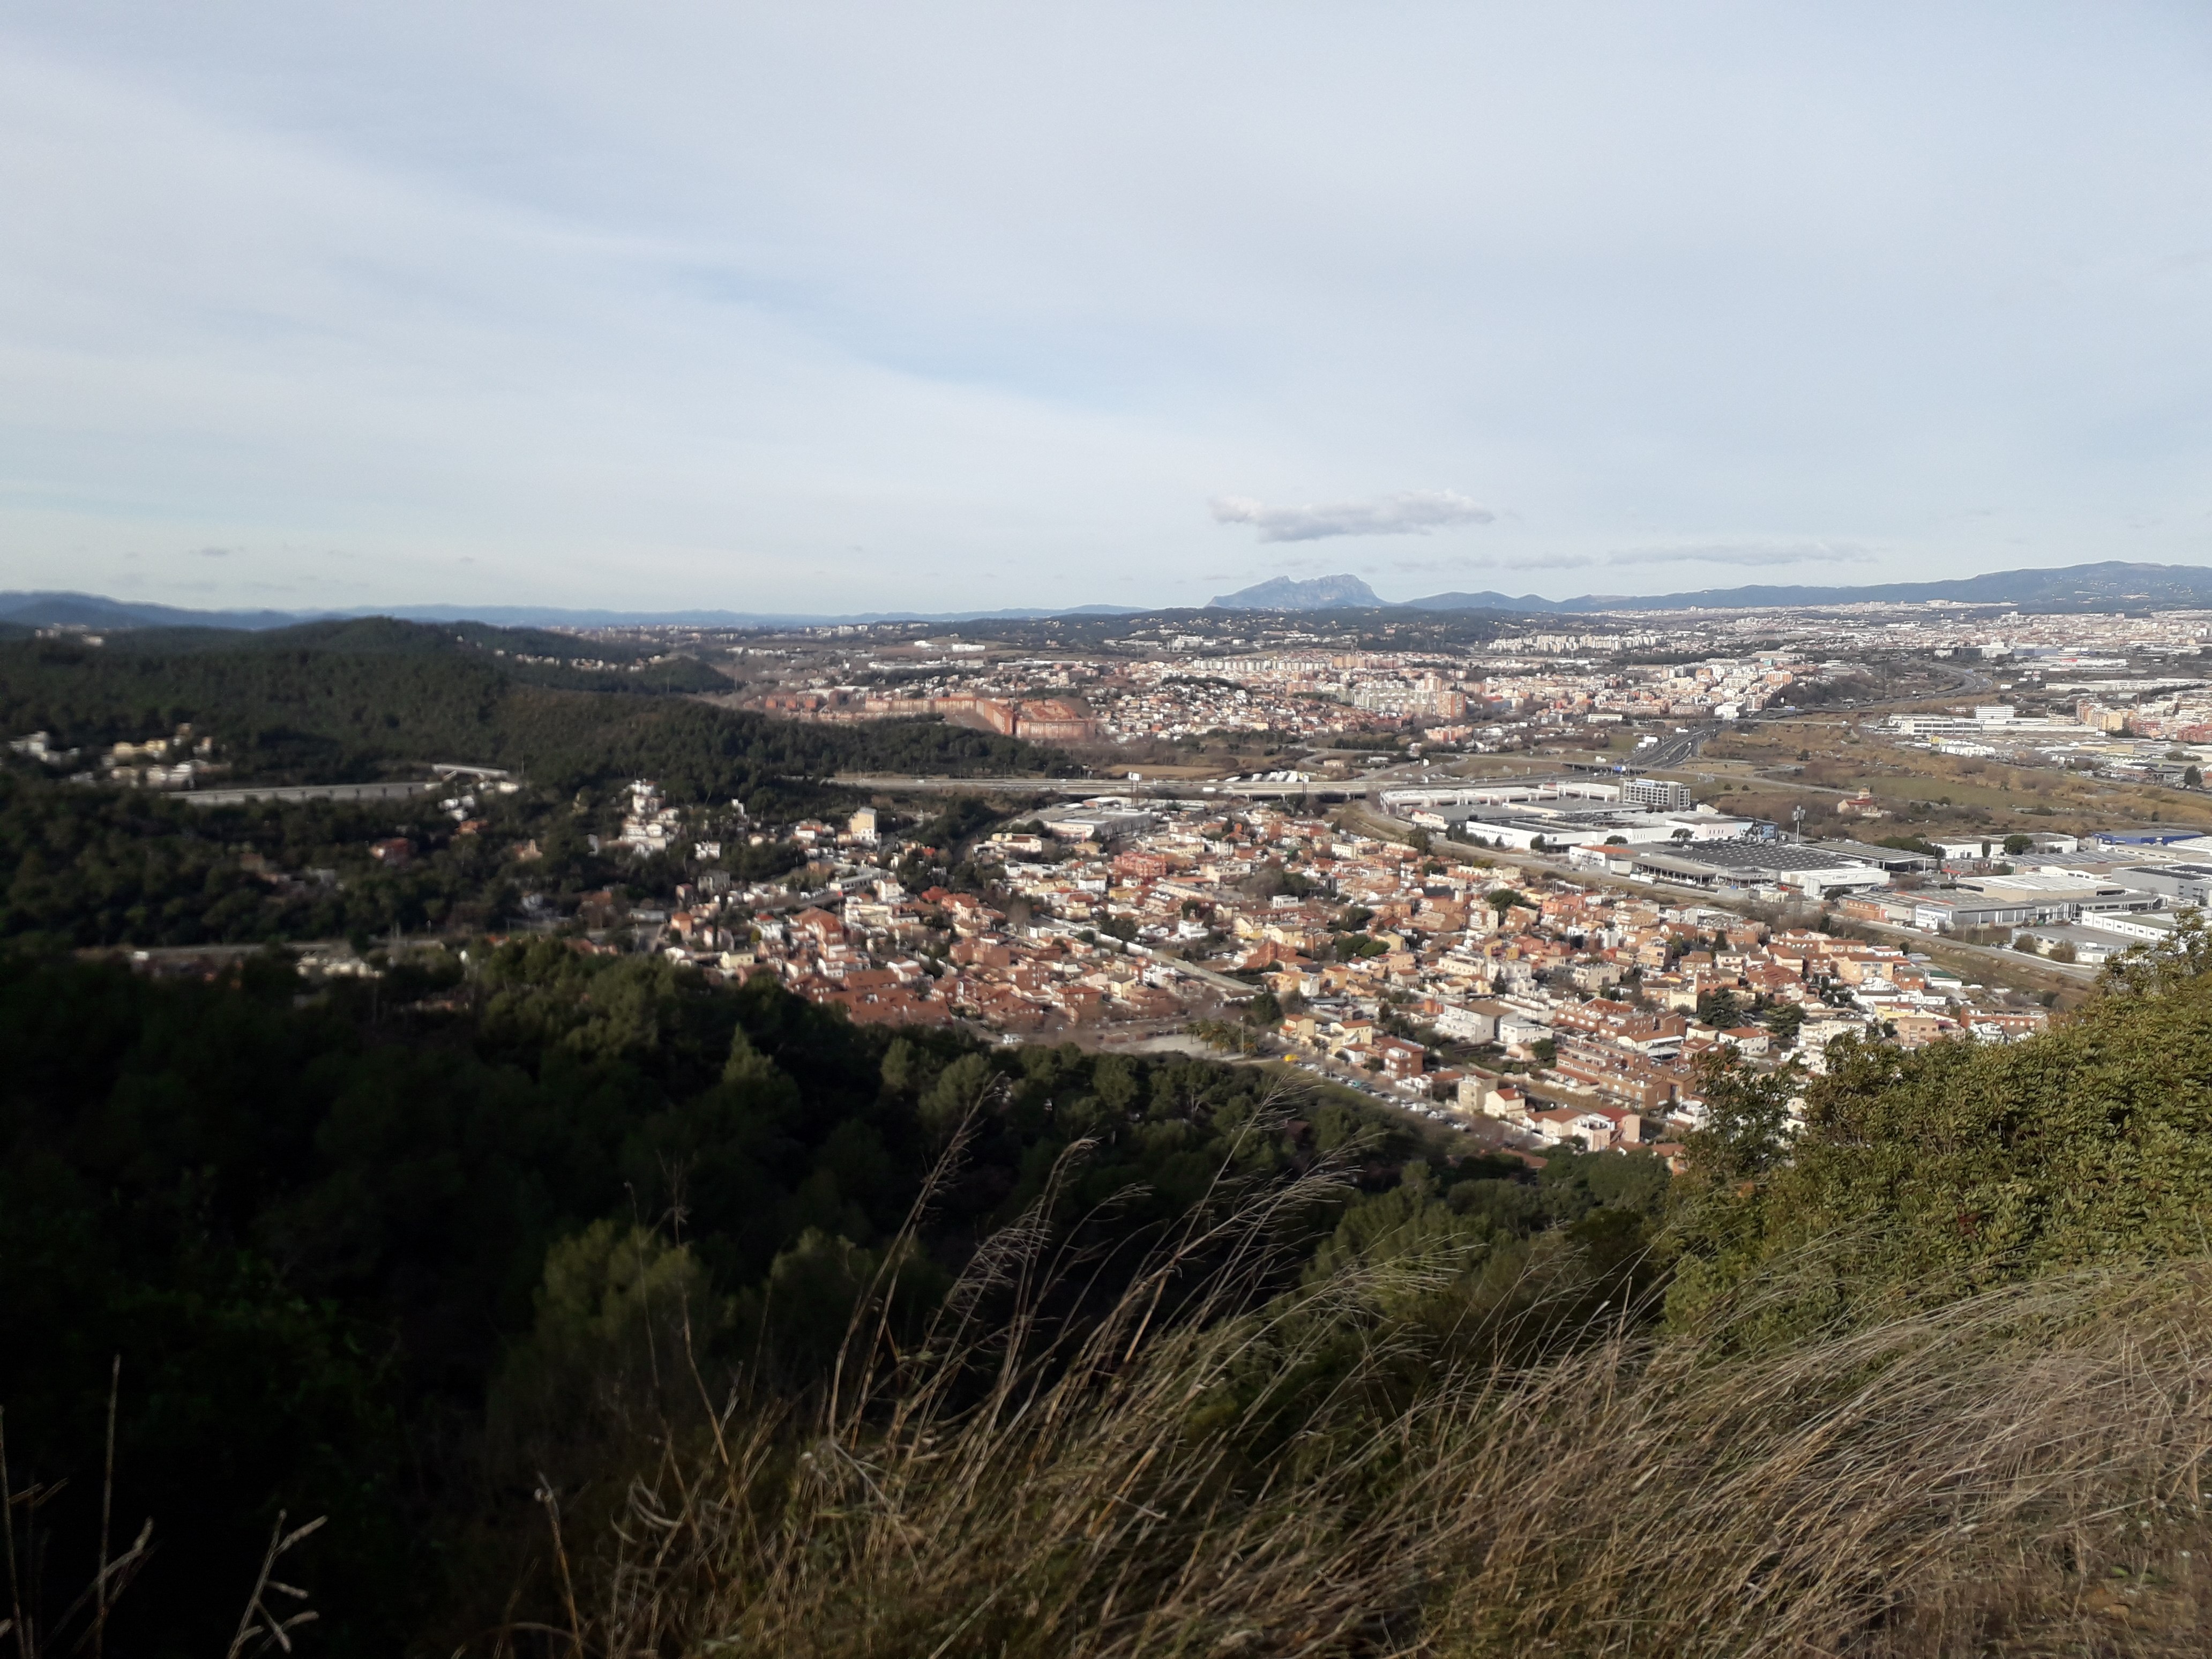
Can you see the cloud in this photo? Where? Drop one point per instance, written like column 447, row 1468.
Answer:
column 1746, row 553
column 532, row 286
column 1524, row 562
column 211, row 552
column 1414, row 513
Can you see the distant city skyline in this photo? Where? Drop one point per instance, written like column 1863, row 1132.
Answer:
column 855, row 308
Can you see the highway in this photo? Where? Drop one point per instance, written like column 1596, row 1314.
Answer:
column 1675, row 748
column 388, row 789
column 906, row 782
column 305, row 792
column 1085, row 788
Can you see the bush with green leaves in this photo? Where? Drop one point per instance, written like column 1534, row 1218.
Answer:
column 1927, row 1175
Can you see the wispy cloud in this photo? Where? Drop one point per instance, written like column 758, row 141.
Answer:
column 1414, row 513
column 1514, row 569
column 211, row 552
column 928, row 290
column 1754, row 553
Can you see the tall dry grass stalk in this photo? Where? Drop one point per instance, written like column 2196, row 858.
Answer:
column 83, row 1622
column 2017, row 1473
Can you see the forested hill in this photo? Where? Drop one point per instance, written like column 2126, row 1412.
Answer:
column 334, row 701
column 395, row 1253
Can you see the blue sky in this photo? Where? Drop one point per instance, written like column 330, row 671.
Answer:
column 835, row 307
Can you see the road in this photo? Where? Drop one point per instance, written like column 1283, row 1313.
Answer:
column 1675, row 748
column 387, row 789
column 908, row 783
column 226, row 952
column 1084, row 788
column 307, row 792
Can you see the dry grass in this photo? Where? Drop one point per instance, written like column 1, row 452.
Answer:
column 2016, row 1474
column 82, row 1624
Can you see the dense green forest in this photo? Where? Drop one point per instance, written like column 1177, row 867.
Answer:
column 335, row 703
column 339, row 702
column 602, row 1309
column 361, row 1250
column 96, row 867
column 93, row 868
column 99, row 867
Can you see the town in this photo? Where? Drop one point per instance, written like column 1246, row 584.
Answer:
column 1532, row 954
column 2117, row 695
column 1526, row 885
column 1574, row 1003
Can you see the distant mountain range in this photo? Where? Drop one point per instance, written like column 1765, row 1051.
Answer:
column 89, row 610
column 1318, row 593
column 2110, row 584
column 2080, row 586
column 92, row 611
column 2108, row 587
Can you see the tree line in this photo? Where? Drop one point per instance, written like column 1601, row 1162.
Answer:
column 336, row 703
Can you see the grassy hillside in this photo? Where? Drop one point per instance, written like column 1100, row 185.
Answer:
column 332, row 701
column 392, row 1253
column 1937, row 1381
column 604, row 1311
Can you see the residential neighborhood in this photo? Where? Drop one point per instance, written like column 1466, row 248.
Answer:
column 1542, row 1002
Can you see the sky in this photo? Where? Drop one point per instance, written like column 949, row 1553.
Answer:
column 841, row 308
